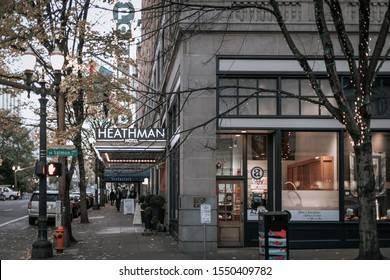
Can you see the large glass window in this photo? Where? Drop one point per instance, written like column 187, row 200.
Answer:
column 174, row 117
column 310, row 175
column 174, row 179
column 229, row 155
column 245, row 97
column 381, row 161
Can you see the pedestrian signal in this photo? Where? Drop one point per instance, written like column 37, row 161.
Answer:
column 54, row 169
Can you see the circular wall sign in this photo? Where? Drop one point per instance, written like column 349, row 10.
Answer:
column 257, row 172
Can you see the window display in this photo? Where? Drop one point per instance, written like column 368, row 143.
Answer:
column 310, row 176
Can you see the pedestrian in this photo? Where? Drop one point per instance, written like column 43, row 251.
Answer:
column 133, row 193
column 118, row 198
column 133, row 196
column 112, row 196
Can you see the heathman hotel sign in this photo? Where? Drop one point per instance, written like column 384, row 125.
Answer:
column 130, row 134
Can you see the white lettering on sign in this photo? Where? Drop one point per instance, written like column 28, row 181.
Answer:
column 123, row 12
column 124, row 28
column 124, row 134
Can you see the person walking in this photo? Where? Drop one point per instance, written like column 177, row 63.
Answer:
column 133, row 193
column 118, row 198
column 133, row 196
column 112, row 197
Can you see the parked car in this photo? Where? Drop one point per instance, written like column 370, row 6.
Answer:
column 88, row 198
column 9, row 193
column 51, row 210
column 91, row 198
column 33, row 206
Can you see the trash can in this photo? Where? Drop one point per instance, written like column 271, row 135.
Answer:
column 273, row 235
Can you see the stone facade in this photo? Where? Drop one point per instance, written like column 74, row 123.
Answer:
column 182, row 57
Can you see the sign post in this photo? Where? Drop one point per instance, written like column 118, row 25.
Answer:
column 205, row 218
column 58, row 213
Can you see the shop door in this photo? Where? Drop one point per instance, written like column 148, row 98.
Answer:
column 230, row 213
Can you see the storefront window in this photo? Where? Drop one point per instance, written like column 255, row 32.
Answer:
column 310, row 175
column 257, row 175
column 229, row 155
column 381, row 161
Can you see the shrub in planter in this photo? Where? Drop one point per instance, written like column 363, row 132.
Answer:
column 157, row 201
column 141, row 198
column 148, row 197
column 148, row 213
column 144, row 205
column 153, row 211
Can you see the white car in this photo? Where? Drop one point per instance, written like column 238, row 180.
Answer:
column 33, row 206
column 9, row 193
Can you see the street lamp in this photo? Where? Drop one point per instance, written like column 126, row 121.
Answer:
column 42, row 248
column 15, row 169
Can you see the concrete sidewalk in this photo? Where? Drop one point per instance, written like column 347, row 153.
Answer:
column 111, row 235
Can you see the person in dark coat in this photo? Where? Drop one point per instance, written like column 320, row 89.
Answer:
column 133, row 193
column 112, row 197
column 118, row 198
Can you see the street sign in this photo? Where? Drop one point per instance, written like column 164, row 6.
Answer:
column 205, row 213
column 62, row 152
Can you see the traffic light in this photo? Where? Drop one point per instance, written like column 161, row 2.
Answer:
column 54, row 169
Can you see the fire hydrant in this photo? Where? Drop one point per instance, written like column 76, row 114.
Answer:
column 59, row 236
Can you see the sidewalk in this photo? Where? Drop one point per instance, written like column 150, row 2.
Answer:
column 111, row 235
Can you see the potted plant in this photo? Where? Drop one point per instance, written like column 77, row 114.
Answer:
column 148, row 197
column 153, row 212
column 148, row 213
column 141, row 198
column 157, row 203
column 143, row 206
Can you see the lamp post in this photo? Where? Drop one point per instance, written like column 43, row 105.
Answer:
column 15, row 169
column 42, row 247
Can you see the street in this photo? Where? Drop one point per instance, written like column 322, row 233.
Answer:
column 16, row 235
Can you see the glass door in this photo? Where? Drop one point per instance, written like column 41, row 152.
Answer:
column 230, row 195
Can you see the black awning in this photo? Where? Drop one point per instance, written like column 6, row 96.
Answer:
column 125, row 175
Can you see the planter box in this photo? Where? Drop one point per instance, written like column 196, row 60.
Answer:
column 156, row 212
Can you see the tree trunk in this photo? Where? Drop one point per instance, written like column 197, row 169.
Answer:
column 82, row 185
column 102, row 184
column 68, row 222
column 368, row 234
